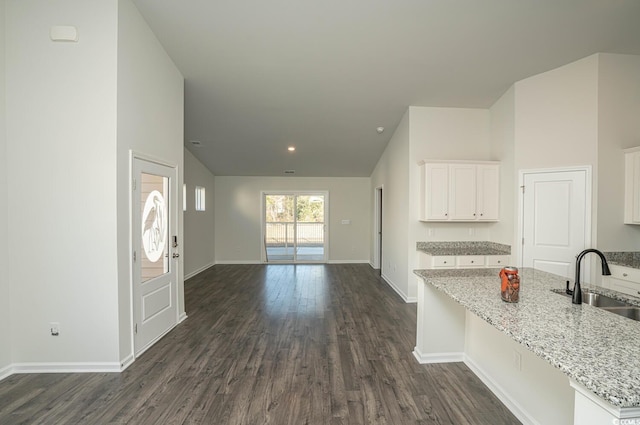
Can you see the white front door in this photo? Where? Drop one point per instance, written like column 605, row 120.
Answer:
column 154, row 221
column 556, row 212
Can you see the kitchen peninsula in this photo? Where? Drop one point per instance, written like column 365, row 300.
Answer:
column 548, row 360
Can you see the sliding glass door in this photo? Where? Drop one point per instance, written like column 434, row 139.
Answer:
column 294, row 227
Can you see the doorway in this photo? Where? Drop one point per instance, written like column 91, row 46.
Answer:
column 154, row 244
column 556, row 218
column 377, row 234
column 294, row 227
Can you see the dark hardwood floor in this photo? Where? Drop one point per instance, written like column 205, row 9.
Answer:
column 276, row 344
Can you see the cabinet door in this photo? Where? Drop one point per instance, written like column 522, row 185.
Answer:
column 436, row 195
column 462, row 192
column 443, row 262
column 632, row 188
column 635, row 186
column 470, row 261
column 497, row 260
column 488, row 192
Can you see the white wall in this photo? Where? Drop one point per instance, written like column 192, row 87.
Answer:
column 5, row 316
column 585, row 113
column 546, row 398
column 424, row 133
column 238, row 215
column 151, row 122
column 61, row 122
column 556, row 117
column 618, row 128
column 443, row 133
column 73, row 112
column 392, row 173
column 199, row 235
column 502, row 149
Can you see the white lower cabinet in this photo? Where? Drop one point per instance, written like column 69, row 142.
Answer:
column 427, row 261
column 470, row 261
column 497, row 260
column 623, row 279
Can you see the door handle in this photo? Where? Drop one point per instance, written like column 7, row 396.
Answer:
column 175, row 255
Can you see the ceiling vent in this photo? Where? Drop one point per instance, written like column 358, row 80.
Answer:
column 196, row 143
column 289, row 171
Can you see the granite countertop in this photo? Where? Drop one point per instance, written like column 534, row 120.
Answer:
column 592, row 346
column 627, row 259
column 463, row 248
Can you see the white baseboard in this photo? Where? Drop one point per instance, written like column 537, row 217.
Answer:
column 261, row 262
column 393, row 286
column 127, row 361
column 64, row 367
column 6, row 371
column 348, row 262
column 200, row 270
column 437, row 358
column 183, row 316
column 239, row 262
column 499, row 392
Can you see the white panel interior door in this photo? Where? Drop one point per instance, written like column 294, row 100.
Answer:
column 154, row 220
column 555, row 219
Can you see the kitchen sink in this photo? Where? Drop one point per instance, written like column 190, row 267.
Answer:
column 606, row 303
column 599, row 300
column 629, row 312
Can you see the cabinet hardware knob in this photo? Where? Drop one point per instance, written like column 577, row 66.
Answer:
column 481, row 215
column 624, row 274
column 472, row 261
column 474, row 214
column 499, row 261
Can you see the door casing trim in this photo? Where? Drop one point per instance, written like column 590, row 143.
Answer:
column 137, row 155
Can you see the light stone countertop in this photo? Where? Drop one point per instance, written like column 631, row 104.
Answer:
column 594, row 347
column 626, row 259
column 463, row 248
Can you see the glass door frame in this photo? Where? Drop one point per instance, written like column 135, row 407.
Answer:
column 296, row 193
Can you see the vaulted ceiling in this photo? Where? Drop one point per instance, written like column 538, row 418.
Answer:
column 323, row 75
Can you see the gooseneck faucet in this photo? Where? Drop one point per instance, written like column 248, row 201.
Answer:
column 577, row 291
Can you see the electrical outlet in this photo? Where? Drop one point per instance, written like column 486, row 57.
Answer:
column 55, row 328
column 472, row 231
column 517, row 360
column 430, row 231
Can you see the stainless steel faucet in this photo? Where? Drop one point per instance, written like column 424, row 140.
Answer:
column 577, row 291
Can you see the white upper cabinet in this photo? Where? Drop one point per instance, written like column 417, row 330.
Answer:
column 632, row 186
column 435, row 180
column 488, row 186
column 460, row 191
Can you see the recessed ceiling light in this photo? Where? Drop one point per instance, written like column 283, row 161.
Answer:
column 379, row 130
column 291, row 148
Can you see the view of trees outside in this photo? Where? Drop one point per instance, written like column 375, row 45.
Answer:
column 294, row 223
column 280, row 208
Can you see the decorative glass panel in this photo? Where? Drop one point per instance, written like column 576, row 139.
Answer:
column 155, row 226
